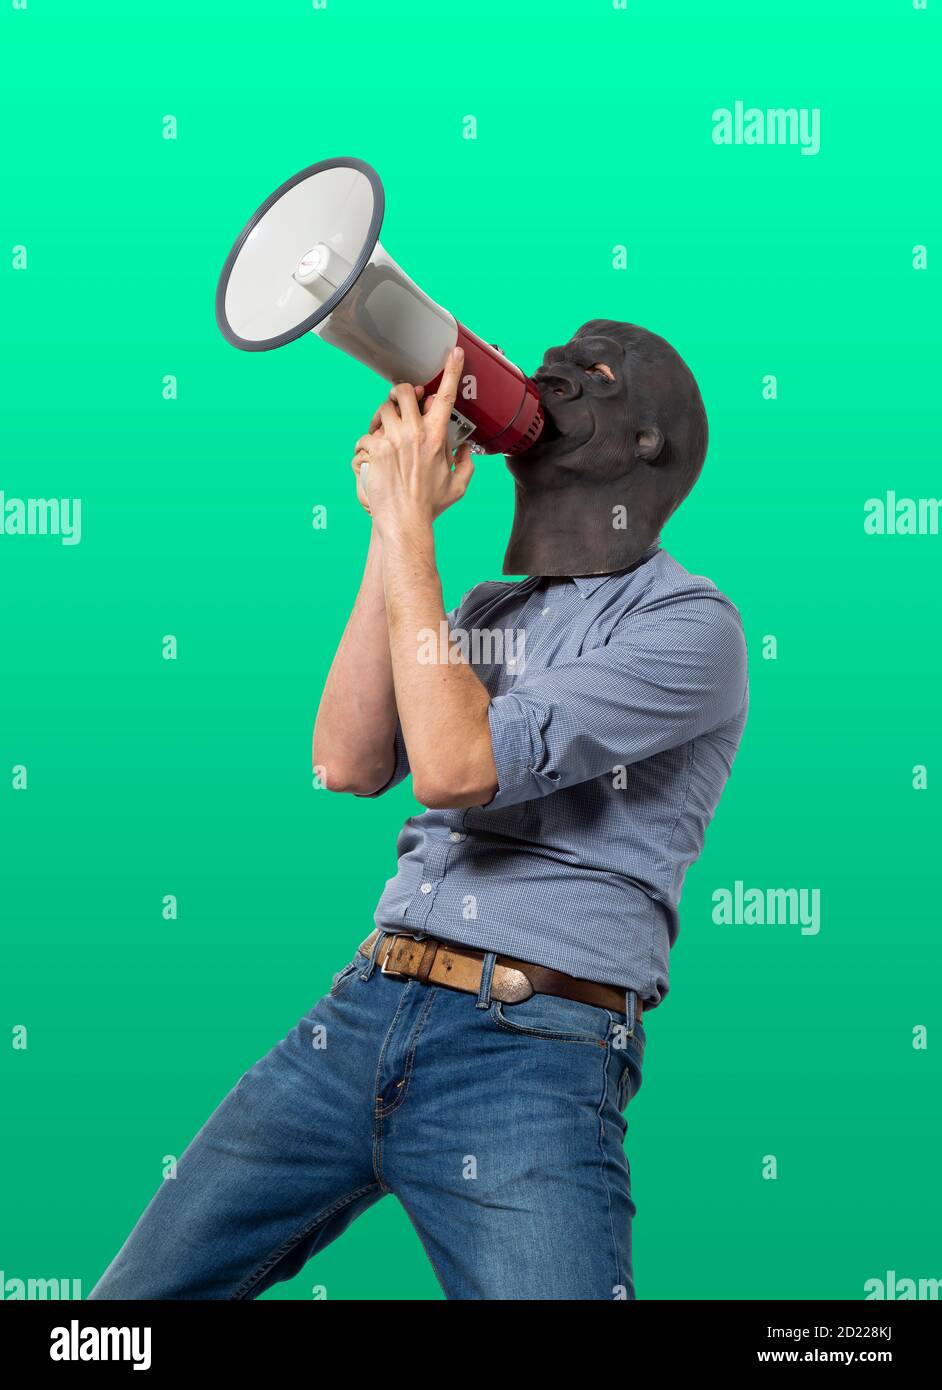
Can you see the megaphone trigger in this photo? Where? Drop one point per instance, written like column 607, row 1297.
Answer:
column 460, row 428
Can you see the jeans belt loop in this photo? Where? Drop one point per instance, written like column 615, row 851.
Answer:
column 487, row 974
column 630, row 998
column 377, row 947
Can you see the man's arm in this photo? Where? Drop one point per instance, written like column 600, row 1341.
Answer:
column 443, row 708
column 665, row 677
column 354, row 734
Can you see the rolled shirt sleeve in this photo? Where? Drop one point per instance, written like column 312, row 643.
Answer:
column 662, row 679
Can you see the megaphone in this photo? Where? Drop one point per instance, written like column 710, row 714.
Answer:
column 309, row 260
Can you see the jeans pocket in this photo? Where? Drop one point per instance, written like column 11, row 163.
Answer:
column 344, row 976
column 629, row 1055
column 556, row 1019
column 624, row 1088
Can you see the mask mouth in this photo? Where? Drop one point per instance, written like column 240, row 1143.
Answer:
column 569, row 421
column 557, row 444
column 551, row 430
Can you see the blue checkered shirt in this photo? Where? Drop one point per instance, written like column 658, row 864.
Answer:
column 617, row 706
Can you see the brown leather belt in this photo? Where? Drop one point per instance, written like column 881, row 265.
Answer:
column 435, row 962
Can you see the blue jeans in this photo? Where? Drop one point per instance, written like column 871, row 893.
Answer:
column 499, row 1127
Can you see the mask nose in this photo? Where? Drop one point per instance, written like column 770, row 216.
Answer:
column 556, row 384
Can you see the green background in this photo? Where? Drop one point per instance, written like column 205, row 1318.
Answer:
column 149, row 777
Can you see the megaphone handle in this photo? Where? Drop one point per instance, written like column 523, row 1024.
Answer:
column 460, row 428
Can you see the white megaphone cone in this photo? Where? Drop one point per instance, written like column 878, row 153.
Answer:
column 310, row 261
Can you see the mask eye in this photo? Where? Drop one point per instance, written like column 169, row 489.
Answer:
column 601, row 371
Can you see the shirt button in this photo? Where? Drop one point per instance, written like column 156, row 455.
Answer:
column 545, row 611
column 456, row 836
column 426, row 888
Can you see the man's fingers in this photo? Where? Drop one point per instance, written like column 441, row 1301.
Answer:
column 376, row 422
column 405, row 397
column 360, row 466
column 447, row 391
column 463, row 469
column 367, row 447
column 389, row 415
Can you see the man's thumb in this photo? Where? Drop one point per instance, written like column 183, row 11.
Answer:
column 464, row 465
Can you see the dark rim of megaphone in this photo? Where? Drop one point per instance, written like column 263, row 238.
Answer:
column 329, row 305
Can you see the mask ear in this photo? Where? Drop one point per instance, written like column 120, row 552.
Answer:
column 648, row 444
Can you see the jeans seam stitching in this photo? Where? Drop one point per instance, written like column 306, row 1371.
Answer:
column 346, row 975
column 607, row 1185
column 517, row 1028
column 410, row 1057
column 287, row 1245
column 378, row 1113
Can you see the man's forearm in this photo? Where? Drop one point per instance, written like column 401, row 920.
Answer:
column 443, row 708
column 356, row 720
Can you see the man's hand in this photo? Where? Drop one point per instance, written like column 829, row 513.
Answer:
column 359, row 463
column 403, row 465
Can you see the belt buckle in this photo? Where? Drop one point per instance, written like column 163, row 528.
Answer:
column 384, row 968
column 513, row 987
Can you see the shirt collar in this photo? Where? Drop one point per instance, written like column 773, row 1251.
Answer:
column 588, row 583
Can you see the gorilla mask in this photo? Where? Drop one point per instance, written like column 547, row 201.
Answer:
column 624, row 441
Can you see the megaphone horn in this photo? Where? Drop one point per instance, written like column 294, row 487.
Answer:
column 309, row 260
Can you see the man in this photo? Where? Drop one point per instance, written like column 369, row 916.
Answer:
column 476, row 1055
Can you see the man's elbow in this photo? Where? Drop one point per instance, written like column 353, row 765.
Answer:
column 452, row 793
column 345, row 777
column 466, row 776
